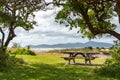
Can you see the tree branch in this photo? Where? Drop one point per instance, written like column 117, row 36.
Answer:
column 11, row 34
column 111, row 32
column 97, row 31
column 3, row 36
column 117, row 8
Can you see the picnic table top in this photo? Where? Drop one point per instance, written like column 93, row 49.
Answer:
column 80, row 52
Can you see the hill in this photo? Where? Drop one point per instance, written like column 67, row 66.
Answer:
column 74, row 45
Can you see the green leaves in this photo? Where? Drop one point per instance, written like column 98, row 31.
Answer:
column 17, row 13
column 106, row 25
column 80, row 6
column 88, row 16
column 5, row 18
column 20, row 12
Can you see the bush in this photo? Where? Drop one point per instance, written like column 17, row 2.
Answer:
column 22, row 51
column 13, row 60
column 116, row 55
column 7, row 60
column 110, row 71
column 112, row 65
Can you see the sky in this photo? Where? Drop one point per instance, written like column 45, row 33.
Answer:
column 48, row 31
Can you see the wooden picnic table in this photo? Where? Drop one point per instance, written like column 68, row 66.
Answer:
column 87, row 56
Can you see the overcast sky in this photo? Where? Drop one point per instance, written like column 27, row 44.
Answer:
column 50, row 32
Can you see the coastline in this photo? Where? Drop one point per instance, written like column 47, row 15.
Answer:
column 45, row 49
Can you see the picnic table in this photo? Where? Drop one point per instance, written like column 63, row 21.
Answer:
column 87, row 56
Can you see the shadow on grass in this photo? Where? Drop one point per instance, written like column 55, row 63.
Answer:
column 83, row 64
column 49, row 72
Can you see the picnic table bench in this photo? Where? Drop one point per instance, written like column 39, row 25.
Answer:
column 87, row 56
column 69, row 59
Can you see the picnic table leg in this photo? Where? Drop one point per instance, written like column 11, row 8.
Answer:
column 85, row 61
column 74, row 61
column 69, row 61
column 89, row 61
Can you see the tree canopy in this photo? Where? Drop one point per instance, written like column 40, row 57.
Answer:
column 17, row 13
column 92, row 17
column 14, row 14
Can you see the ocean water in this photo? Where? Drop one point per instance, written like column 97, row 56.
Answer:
column 45, row 49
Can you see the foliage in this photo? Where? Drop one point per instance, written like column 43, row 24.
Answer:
column 14, row 14
column 112, row 64
column 110, row 71
column 22, row 51
column 7, row 60
column 17, row 13
column 115, row 57
column 93, row 18
column 11, row 61
column 15, row 45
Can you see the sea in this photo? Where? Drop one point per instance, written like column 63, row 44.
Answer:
column 46, row 49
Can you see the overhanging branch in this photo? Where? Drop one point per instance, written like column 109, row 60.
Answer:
column 111, row 32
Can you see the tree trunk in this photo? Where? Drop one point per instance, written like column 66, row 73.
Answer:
column 3, row 57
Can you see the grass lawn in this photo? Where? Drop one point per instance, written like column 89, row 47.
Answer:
column 43, row 67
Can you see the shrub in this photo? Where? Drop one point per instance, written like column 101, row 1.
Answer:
column 22, row 51
column 7, row 60
column 13, row 60
column 116, row 55
column 112, row 65
column 110, row 71
column 29, row 52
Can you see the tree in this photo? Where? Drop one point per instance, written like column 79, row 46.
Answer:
column 17, row 13
column 16, row 45
column 92, row 17
column 14, row 14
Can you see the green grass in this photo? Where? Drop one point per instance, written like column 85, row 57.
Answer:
column 50, row 68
